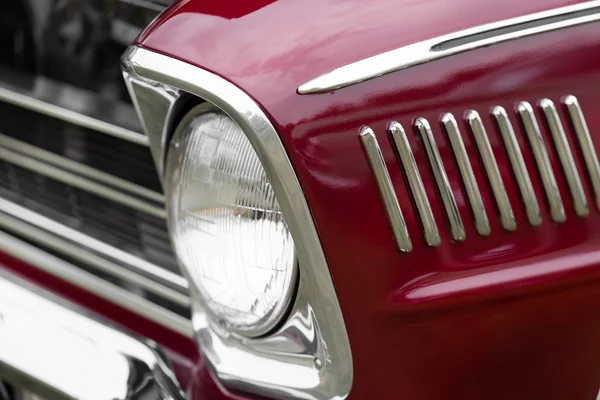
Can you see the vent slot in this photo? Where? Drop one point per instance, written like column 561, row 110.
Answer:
column 530, row 124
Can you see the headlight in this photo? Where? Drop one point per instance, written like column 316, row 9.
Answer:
column 226, row 224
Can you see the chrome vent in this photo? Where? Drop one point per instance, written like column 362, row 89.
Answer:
column 531, row 128
column 78, row 181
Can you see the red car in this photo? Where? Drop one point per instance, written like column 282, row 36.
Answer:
column 321, row 199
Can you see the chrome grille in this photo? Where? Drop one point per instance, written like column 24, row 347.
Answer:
column 77, row 180
column 106, row 140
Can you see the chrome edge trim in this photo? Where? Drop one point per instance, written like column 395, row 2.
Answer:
column 507, row 217
column 585, row 143
column 71, row 116
column 78, row 168
column 157, row 106
column 386, row 189
column 540, row 153
column 468, row 39
column 80, row 182
column 91, row 251
column 482, row 224
column 317, row 362
column 532, row 208
column 76, row 276
column 566, row 157
column 430, row 230
column 439, row 172
column 59, row 351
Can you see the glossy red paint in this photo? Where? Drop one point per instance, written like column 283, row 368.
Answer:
column 513, row 315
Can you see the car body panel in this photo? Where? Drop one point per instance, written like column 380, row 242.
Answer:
column 510, row 315
column 495, row 317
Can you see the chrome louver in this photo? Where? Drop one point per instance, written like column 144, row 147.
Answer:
column 530, row 127
column 77, row 181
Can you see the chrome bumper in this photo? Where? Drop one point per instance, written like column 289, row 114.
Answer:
column 51, row 348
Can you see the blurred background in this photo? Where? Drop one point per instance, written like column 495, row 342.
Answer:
column 76, row 174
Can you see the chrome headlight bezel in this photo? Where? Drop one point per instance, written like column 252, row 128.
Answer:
column 307, row 356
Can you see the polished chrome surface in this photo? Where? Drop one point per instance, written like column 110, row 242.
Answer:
column 530, row 128
column 157, row 106
column 507, row 217
column 566, row 157
column 585, row 143
column 78, row 168
column 128, row 160
column 430, row 230
column 482, row 223
column 73, row 274
column 80, row 182
column 309, row 356
column 55, row 350
column 453, row 43
column 386, row 189
column 73, row 106
column 108, row 259
column 439, row 172
column 536, row 141
column 532, row 208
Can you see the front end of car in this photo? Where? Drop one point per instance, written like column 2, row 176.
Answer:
column 300, row 200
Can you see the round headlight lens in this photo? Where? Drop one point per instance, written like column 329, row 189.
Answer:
column 226, row 224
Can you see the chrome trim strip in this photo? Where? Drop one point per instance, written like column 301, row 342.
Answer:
column 71, row 116
column 386, row 189
column 585, row 143
column 57, row 350
column 76, row 276
column 532, row 208
column 86, row 249
column 482, row 223
column 80, row 182
column 430, row 230
column 311, row 350
column 453, row 43
column 507, row 217
column 566, row 157
column 439, row 172
column 79, row 168
column 557, row 210
column 157, row 107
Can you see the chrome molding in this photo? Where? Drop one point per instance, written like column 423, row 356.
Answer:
column 566, row 157
column 532, row 208
column 109, row 259
column 536, row 141
column 78, row 168
column 482, row 223
column 58, row 351
column 76, row 276
column 310, row 352
column 430, row 230
column 453, row 43
column 507, row 217
column 439, row 172
column 80, row 182
column 43, row 99
column 531, row 129
column 585, row 143
column 384, row 183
